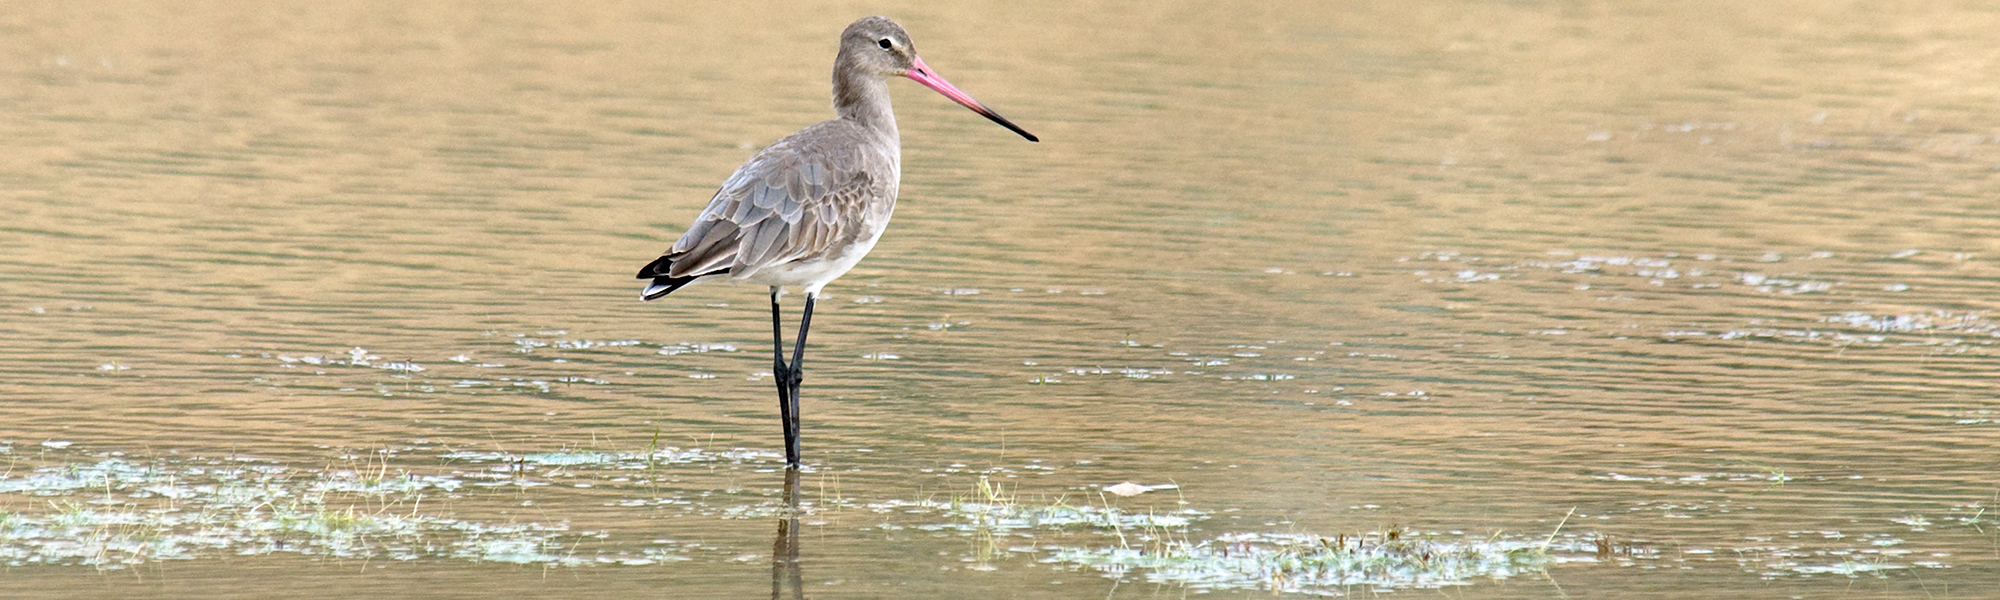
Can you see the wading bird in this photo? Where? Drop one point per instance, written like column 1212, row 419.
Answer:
column 804, row 210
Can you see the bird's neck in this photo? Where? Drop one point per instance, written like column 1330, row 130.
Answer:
column 865, row 100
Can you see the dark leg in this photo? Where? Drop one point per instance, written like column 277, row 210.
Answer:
column 786, row 377
column 798, row 375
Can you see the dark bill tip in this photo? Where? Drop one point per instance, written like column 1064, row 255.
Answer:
column 1009, row 125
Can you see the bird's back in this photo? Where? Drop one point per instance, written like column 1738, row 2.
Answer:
column 808, row 197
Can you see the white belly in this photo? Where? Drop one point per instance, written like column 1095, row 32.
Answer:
column 812, row 274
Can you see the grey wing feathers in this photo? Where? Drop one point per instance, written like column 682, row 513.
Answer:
column 787, row 202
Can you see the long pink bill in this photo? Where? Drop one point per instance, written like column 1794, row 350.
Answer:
column 923, row 74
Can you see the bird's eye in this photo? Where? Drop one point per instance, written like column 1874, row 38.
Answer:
column 885, row 43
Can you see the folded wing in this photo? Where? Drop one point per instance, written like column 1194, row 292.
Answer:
column 789, row 202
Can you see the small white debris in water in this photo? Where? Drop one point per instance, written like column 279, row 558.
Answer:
column 460, row 358
column 1896, row 287
column 57, row 444
column 1133, row 489
column 881, row 356
column 695, row 347
column 112, row 367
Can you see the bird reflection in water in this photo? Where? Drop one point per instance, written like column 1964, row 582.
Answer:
column 785, row 548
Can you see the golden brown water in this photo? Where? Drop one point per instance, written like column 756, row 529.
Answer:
column 1713, row 281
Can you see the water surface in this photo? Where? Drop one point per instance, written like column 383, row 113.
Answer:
column 334, row 299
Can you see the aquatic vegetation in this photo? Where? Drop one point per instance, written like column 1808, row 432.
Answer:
column 666, row 455
column 1158, row 548
column 1172, row 548
column 1311, row 564
column 1161, row 548
column 113, row 513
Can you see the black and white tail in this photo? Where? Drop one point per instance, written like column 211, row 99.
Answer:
column 663, row 283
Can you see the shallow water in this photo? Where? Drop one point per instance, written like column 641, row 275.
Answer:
column 1583, row 300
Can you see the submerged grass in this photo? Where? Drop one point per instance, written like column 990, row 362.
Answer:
column 1167, row 548
column 113, row 514
column 1306, row 563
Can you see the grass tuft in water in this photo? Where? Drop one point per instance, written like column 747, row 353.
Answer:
column 1164, row 548
column 1304, row 563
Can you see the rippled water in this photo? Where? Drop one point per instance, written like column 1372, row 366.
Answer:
column 1522, row 300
